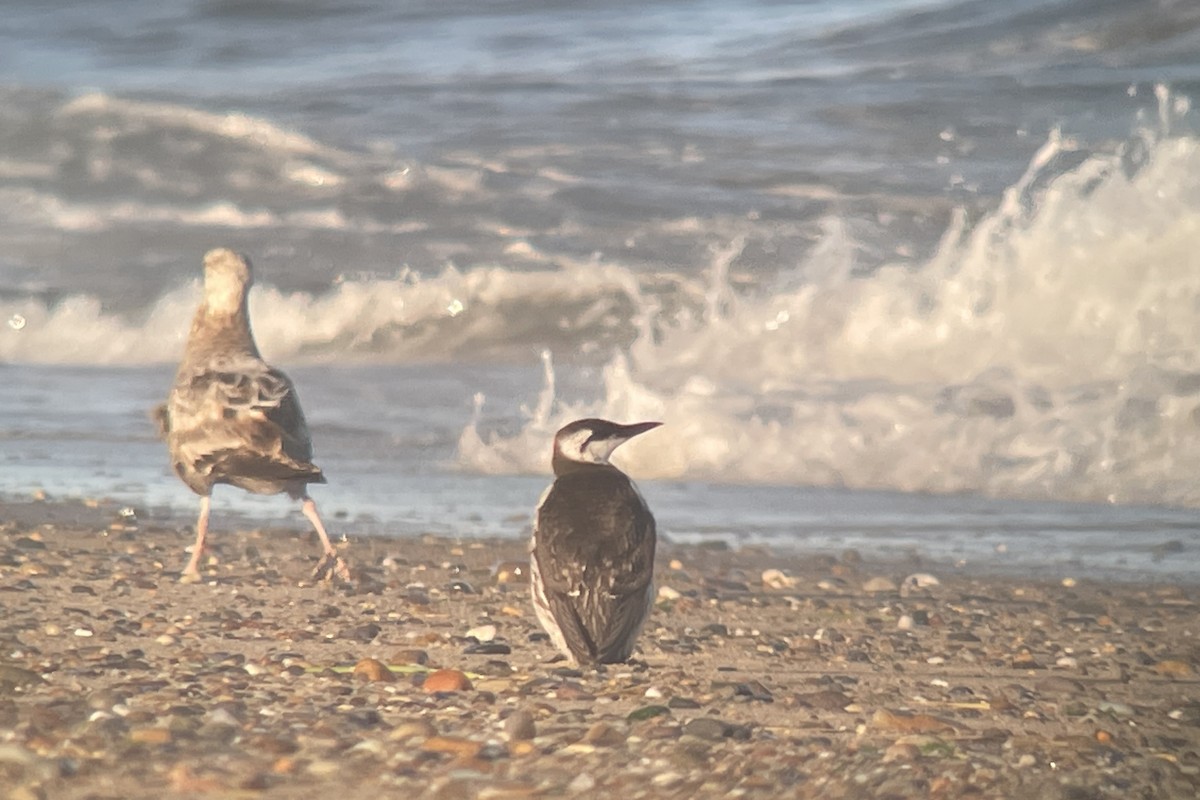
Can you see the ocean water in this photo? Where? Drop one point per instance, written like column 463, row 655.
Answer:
column 913, row 276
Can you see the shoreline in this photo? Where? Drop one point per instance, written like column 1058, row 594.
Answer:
column 826, row 678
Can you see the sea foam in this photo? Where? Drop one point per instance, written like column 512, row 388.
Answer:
column 1047, row 351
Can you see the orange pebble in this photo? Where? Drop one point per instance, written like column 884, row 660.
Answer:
column 447, row 680
column 373, row 670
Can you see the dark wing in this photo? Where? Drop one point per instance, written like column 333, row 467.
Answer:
column 240, row 421
column 595, row 549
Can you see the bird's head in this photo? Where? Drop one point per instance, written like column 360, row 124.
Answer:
column 592, row 441
column 227, row 279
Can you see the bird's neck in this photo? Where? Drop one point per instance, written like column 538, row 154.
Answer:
column 563, row 465
column 217, row 330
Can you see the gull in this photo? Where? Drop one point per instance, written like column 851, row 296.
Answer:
column 232, row 418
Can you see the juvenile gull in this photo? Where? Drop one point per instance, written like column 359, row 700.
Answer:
column 232, row 418
column 592, row 553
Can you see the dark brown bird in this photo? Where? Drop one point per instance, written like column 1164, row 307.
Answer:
column 231, row 418
column 592, row 564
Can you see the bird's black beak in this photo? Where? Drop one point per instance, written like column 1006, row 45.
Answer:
column 630, row 431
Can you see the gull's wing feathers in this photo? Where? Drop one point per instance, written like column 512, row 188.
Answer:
column 239, row 421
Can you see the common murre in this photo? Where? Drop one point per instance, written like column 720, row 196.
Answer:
column 592, row 551
column 232, row 418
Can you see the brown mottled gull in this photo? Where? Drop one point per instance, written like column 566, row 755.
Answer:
column 232, row 418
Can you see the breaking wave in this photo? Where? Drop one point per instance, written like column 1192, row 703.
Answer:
column 1046, row 352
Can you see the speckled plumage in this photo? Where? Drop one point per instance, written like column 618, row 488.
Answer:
column 230, row 417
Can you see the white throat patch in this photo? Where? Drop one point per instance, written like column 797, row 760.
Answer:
column 576, row 447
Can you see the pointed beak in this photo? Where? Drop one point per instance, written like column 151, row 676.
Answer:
column 630, row 431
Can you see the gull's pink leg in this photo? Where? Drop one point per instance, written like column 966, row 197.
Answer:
column 330, row 560
column 191, row 573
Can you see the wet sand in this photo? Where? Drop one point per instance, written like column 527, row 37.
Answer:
column 830, row 677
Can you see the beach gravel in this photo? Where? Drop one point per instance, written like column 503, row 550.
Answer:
column 429, row 676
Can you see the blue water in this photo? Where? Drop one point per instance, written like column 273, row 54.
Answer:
column 898, row 275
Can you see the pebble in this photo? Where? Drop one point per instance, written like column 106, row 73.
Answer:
column 482, row 633
column 886, row 720
column 446, row 680
column 708, row 728
column 667, row 593
column 407, row 730
column 582, row 782
column 1116, row 709
column 777, row 579
column 454, row 745
column 371, row 669
column 647, row 712
column 410, row 656
column 520, row 725
column 879, row 584
column 1174, row 668
column 512, row 572
column 901, row 751
column 1059, row 685
column 919, row 580
column 601, row 734
column 1025, row 660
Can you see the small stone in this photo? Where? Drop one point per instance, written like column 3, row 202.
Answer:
column 708, row 728
column 1059, row 684
column 151, row 735
column 446, row 680
column 488, row 649
column 410, row 656
column 901, row 751
column 12, row 677
column 371, row 669
column 601, row 734
column 682, row 702
column 666, row 779
column 918, row 580
column 1025, row 660
column 412, row 729
column 1173, row 668
column 482, row 633
column 667, row 593
column 512, row 572
column 824, row 700
column 581, row 783
column 454, row 745
column 902, row 722
column 1116, row 709
column 905, row 623
column 776, row 579
column 879, row 584
column 520, row 726
column 52, row 630
column 647, row 712
column 84, row 632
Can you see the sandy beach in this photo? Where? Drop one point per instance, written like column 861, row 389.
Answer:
column 760, row 674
